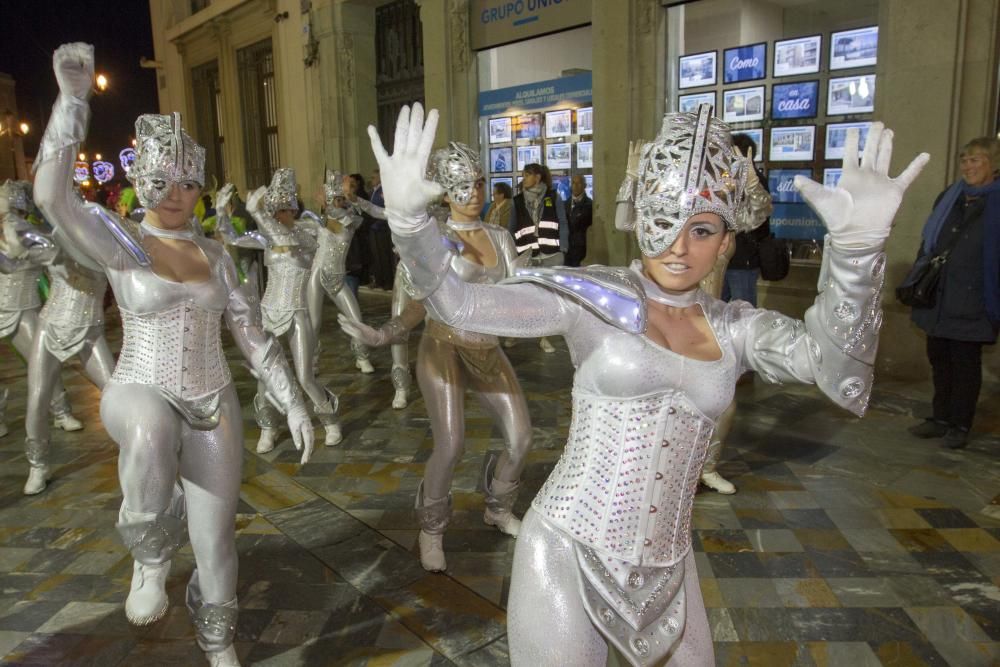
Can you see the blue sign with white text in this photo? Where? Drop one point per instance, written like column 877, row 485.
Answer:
column 796, row 221
column 744, row 63
column 538, row 95
column 781, row 185
column 794, row 100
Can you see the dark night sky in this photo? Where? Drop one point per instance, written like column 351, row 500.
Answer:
column 120, row 33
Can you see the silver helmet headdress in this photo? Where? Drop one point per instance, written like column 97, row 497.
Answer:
column 17, row 194
column 165, row 155
column 334, row 185
column 456, row 169
column 691, row 167
column 282, row 192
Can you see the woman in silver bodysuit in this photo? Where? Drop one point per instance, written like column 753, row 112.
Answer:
column 72, row 324
column 604, row 555
column 170, row 405
column 24, row 254
column 291, row 248
column 451, row 360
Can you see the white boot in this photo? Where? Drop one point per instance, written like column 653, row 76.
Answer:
column 504, row 520
column 268, row 436
column 147, row 600
column 37, row 477
column 364, row 365
column 432, row 551
column 546, row 346
column 333, row 435
column 399, row 401
column 717, row 482
column 67, row 422
column 224, row 658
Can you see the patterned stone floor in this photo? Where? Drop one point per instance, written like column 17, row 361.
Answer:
column 849, row 542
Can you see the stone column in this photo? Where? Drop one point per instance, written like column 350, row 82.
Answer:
column 451, row 80
column 629, row 77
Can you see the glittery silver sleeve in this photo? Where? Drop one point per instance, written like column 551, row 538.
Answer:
column 526, row 311
column 836, row 344
column 251, row 239
column 371, row 209
column 258, row 347
column 67, row 127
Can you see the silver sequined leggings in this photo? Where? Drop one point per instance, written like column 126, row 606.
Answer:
column 302, row 344
column 343, row 298
column 43, row 376
column 443, row 380
column 547, row 625
column 22, row 340
column 155, row 446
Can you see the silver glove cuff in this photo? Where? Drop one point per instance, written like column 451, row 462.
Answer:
column 282, row 389
column 67, row 127
column 426, row 257
column 626, row 192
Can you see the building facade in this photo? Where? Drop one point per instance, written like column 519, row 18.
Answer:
column 294, row 83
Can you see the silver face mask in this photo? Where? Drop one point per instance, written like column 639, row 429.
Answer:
column 165, row 156
column 282, row 193
column 457, row 170
column 691, row 167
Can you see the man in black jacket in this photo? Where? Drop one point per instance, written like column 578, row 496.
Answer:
column 581, row 216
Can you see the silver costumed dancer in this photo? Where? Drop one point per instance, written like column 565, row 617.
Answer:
column 24, row 254
column 71, row 324
column 170, row 405
column 451, row 359
column 291, row 247
column 604, row 556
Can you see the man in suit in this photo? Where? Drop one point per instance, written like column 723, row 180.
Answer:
column 581, row 216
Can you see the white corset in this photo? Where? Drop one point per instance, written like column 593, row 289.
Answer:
column 284, row 295
column 179, row 350
column 76, row 299
column 625, row 483
column 19, row 290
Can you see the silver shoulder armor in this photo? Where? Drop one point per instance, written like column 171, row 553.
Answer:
column 124, row 230
column 612, row 293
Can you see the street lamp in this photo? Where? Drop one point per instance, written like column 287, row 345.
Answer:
column 15, row 132
column 102, row 83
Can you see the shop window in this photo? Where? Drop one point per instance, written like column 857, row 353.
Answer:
column 794, row 77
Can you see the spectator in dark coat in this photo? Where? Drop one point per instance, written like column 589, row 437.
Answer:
column 581, row 216
column 744, row 268
column 966, row 311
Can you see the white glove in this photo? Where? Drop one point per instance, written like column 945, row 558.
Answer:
column 302, row 430
column 74, row 67
column 255, row 202
column 361, row 332
column 405, row 187
column 223, row 197
column 634, row 157
column 859, row 211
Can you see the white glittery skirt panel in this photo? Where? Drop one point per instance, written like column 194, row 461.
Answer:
column 548, row 620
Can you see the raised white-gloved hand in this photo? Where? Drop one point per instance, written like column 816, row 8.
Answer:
column 74, row 68
column 405, row 186
column 859, row 211
column 361, row 332
column 255, row 202
column 223, row 196
column 302, row 430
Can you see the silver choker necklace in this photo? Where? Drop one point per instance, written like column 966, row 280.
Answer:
column 656, row 293
column 185, row 234
column 464, row 226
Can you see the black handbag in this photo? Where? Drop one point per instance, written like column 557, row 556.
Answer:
column 774, row 258
column 919, row 288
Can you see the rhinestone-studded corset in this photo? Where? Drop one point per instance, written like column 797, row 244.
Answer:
column 178, row 349
column 333, row 247
column 626, row 481
column 76, row 297
column 286, row 286
column 19, row 290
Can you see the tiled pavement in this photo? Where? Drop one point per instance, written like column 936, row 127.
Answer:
column 849, row 542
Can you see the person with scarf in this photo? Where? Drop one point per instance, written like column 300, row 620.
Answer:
column 604, row 558
column 966, row 311
column 538, row 223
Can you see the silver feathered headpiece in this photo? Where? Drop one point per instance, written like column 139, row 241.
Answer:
column 691, row 167
column 17, row 194
column 456, row 169
column 164, row 155
column 282, row 193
